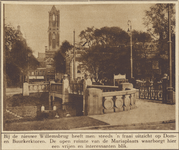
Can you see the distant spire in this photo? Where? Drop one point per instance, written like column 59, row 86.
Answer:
column 53, row 7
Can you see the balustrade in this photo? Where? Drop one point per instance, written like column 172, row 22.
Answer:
column 44, row 87
column 104, row 88
column 98, row 99
column 76, row 88
column 119, row 101
column 99, row 102
column 56, row 87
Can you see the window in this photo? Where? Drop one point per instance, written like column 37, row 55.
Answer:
column 53, row 17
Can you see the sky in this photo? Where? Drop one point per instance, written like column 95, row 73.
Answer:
column 33, row 19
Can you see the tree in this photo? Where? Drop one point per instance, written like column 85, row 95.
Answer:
column 59, row 62
column 87, row 36
column 59, row 57
column 17, row 56
column 10, row 38
column 156, row 21
column 107, row 53
column 140, row 46
column 65, row 47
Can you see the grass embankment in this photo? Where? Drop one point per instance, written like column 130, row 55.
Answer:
column 39, row 99
column 17, row 104
column 54, row 124
column 33, row 99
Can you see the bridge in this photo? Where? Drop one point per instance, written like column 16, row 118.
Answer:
column 91, row 99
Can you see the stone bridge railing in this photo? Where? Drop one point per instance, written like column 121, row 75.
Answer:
column 104, row 88
column 96, row 99
column 33, row 88
column 56, row 87
column 99, row 102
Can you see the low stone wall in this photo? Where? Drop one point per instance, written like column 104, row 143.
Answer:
column 24, row 111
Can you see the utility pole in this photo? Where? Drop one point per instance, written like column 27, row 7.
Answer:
column 130, row 33
column 170, row 88
column 4, row 72
column 74, row 74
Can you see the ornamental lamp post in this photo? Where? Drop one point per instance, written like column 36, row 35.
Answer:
column 130, row 33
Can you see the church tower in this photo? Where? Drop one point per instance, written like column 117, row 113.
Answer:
column 53, row 32
column 53, row 29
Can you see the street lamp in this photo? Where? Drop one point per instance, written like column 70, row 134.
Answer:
column 74, row 69
column 170, row 88
column 130, row 33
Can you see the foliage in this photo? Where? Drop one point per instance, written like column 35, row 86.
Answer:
column 65, row 47
column 19, row 57
column 156, row 21
column 140, row 38
column 107, row 53
column 59, row 57
column 59, row 62
column 141, row 49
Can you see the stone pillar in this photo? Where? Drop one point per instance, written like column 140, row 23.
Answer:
column 93, row 102
column 25, row 90
column 86, row 82
column 65, row 90
column 124, row 86
column 164, row 88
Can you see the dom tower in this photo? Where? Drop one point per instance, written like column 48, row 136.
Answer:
column 53, row 33
column 53, row 42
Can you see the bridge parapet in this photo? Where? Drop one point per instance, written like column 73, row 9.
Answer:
column 33, row 88
column 99, row 102
column 56, row 87
column 104, row 88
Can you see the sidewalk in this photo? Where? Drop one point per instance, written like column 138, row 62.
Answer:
column 146, row 112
